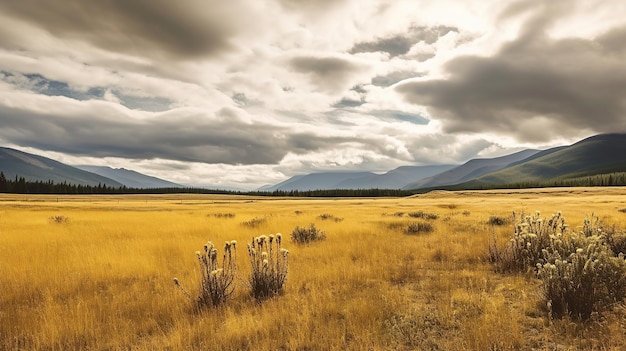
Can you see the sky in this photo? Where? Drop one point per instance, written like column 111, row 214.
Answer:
column 244, row 93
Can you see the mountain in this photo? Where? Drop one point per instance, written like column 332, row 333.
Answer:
column 599, row 154
column 316, row 181
column 130, row 178
column 38, row 168
column 394, row 179
column 471, row 169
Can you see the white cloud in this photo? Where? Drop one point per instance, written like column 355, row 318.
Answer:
column 251, row 92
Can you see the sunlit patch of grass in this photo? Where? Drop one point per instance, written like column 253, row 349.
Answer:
column 104, row 279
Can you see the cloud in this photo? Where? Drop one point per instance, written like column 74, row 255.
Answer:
column 394, row 77
column 329, row 73
column 98, row 128
column 189, row 30
column 534, row 88
column 400, row 44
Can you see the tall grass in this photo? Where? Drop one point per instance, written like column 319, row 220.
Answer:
column 269, row 265
column 103, row 280
column 218, row 282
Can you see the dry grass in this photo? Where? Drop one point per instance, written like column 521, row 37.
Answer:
column 103, row 280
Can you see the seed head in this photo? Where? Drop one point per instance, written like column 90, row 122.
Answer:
column 176, row 282
column 233, row 243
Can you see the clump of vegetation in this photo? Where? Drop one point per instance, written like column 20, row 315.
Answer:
column 302, row 235
column 616, row 241
column 255, row 222
column 424, row 215
column 498, row 220
column 396, row 225
column 579, row 272
column 224, row 215
column 419, row 227
column 622, row 210
column 531, row 235
column 218, row 283
column 327, row 216
column 59, row 219
column 466, row 213
column 269, row 266
column 588, row 280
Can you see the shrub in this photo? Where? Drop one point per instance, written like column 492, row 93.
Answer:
column 615, row 241
column 301, row 235
column 218, row 283
column 224, row 215
column 422, row 214
column 497, row 220
column 327, row 216
column 419, row 227
column 579, row 272
column 269, row 266
column 531, row 235
column 255, row 222
column 588, row 280
column 59, row 219
column 466, row 213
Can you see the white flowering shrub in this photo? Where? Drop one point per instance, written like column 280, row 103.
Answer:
column 579, row 272
column 532, row 234
column 269, row 266
column 588, row 280
column 217, row 283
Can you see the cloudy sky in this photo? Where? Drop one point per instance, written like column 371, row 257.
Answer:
column 244, row 93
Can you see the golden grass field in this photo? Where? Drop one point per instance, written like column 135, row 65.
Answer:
column 102, row 279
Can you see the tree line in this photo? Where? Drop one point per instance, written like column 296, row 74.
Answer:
column 20, row 185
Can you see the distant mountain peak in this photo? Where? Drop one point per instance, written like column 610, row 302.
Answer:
column 130, row 178
column 38, row 168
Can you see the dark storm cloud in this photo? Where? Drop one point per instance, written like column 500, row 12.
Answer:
column 175, row 135
column 400, row 44
column 139, row 27
column 329, row 73
column 534, row 88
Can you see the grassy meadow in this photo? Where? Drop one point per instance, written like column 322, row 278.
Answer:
column 95, row 273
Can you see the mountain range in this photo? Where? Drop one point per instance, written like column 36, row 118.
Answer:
column 130, row 178
column 599, row 154
column 38, row 168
